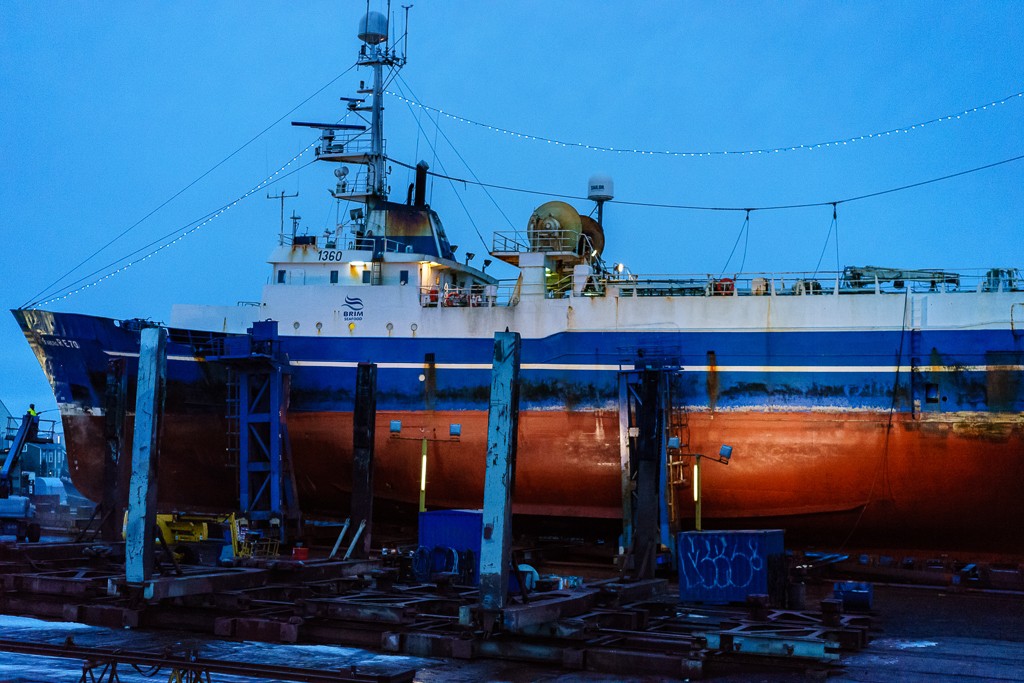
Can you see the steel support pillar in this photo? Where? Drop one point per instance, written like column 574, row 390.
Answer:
column 364, row 421
column 115, row 406
column 625, row 469
column 258, row 407
column 149, row 406
column 644, row 416
column 499, row 482
column 648, row 451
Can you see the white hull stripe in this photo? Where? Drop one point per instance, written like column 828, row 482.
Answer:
column 584, row 367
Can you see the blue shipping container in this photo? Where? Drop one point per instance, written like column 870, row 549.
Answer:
column 726, row 566
column 459, row 530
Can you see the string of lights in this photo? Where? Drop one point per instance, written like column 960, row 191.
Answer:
column 695, row 207
column 273, row 178
column 266, row 182
column 433, row 148
column 838, row 142
column 43, row 292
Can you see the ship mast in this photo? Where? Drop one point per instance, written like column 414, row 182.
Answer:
column 344, row 143
column 377, row 53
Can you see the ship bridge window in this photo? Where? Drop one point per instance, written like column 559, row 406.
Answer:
column 334, row 277
column 280, row 277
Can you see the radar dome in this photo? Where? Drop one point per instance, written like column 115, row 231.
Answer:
column 600, row 188
column 373, row 28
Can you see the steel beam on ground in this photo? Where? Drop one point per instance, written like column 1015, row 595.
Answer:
column 205, row 582
column 190, row 662
column 546, row 608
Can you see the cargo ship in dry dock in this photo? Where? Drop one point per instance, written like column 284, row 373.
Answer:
column 882, row 405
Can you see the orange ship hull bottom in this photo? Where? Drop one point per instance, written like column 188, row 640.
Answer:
column 949, row 481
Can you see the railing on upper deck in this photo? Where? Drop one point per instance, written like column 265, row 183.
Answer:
column 547, row 241
column 371, row 243
column 502, row 293
column 354, row 187
column 345, row 146
column 850, row 281
column 43, row 432
column 820, row 283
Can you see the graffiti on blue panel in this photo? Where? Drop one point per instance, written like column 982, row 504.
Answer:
column 721, row 561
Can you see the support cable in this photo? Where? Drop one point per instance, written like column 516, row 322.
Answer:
column 834, row 225
column 696, row 207
column 181, row 233
column 468, row 168
column 41, row 293
column 744, row 230
column 451, row 179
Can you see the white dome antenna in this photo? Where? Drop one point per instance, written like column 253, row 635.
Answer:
column 373, row 28
column 600, row 189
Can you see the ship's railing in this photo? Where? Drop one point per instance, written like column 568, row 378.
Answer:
column 814, row 283
column 548, row 241
column 502, row 293
column 44, row 430
column 345, row 146
column 372, row 243
column 559, row 288
column 354, row 187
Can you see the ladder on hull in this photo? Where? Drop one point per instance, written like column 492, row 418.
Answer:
column 677, row 460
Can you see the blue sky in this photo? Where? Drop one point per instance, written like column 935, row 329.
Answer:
column 109, row 109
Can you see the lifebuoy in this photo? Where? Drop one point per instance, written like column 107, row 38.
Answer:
column 725, row 286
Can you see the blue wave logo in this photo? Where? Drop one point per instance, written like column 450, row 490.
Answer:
column 353, row 303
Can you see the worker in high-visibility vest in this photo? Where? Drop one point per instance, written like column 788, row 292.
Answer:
column 33, row 426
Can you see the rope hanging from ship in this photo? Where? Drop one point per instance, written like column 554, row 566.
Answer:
column 745, row 234
column 882, row 468
column 833, row 226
